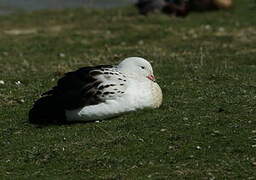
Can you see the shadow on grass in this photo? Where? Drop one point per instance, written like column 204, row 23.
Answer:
column 63, row 123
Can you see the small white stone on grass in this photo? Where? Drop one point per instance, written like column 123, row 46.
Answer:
column 5, row 53
column 207, row 27
column 62, row 55
column 18, row 83
column 185, row 118
column 141, row 42
column 198, row 147
column 2, row 82
column 221, row 29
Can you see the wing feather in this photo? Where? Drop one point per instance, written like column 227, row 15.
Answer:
column 88, row 86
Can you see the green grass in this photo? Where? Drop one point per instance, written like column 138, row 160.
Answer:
column 205, row 64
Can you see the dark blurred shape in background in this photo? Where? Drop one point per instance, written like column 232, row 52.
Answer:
column 148, row 6
column 171, row 7
column 176, row 7
column 181, row 7
column 206, row 5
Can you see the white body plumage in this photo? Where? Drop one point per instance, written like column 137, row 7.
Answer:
column 139, row 95
column 139, row 92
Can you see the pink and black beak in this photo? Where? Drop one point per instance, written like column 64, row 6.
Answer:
column 151, row 77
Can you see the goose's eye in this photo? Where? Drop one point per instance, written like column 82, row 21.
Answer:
column 142, row 67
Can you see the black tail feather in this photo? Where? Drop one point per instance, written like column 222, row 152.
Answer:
column 47, row 110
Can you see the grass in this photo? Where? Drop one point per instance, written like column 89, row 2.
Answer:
column 205, row 64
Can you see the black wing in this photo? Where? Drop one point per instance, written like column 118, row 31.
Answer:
column 71, row 92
